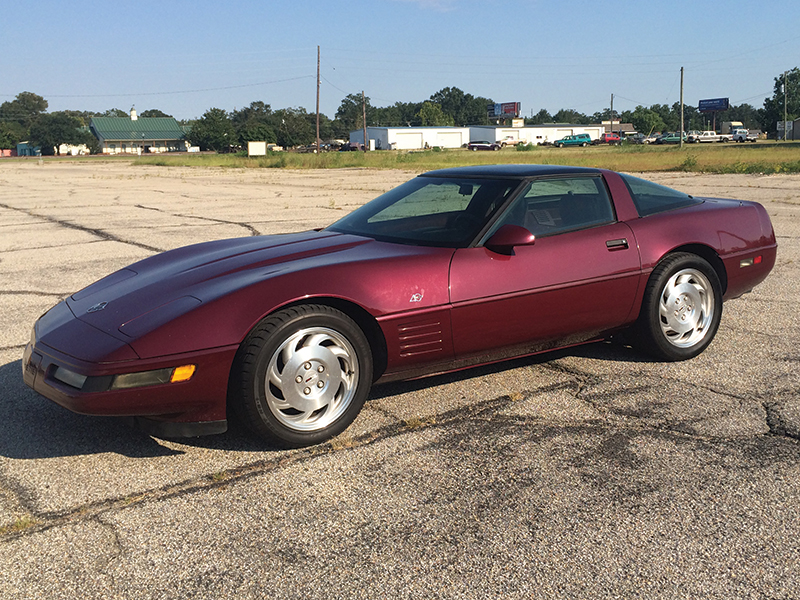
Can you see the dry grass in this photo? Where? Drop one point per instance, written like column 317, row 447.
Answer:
column 761, row 157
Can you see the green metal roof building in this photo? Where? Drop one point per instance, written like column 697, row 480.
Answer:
column 134, row 135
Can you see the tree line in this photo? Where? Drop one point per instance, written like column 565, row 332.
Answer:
column 26, row 118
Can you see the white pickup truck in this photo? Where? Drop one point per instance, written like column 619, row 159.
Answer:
column 707, row 136
column 743, row 135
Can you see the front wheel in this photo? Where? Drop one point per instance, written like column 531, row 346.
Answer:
column 302, row 375
column 681, row 308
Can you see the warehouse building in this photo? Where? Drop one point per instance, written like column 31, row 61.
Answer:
column 418, row 138
column 412, row 138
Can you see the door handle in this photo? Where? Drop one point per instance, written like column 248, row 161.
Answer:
column 618, row 244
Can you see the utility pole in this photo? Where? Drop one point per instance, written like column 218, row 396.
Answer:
column 364, row 118
column 317, row 99
column 611, row 122
column 681, row 107
column 785, row 124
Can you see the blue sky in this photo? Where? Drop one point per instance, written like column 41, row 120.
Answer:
column 184, row 57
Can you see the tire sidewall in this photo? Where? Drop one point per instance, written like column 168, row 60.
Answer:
column 265, row 339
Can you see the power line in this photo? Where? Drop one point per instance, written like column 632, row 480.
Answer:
column 137, row 94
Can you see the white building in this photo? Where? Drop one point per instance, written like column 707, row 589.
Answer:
column 533, row 134
column 417, row 138
column 412, row 138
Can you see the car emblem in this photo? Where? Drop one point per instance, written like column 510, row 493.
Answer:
column 416, row 297
column 96, row 307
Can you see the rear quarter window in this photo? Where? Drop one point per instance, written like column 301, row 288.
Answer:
column 651, row 198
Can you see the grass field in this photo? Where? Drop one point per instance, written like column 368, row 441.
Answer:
column 761, row 157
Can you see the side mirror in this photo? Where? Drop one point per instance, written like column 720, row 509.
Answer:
column 507, row 237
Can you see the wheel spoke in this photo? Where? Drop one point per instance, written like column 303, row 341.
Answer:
column 313, row 369
column 685, row 308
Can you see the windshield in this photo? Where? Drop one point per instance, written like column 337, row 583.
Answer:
column 430, row 211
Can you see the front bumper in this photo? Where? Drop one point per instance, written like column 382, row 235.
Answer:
column 92, row 359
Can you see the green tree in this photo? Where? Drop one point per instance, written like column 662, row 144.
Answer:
column 400, row 114
column 646, row 120
column 774, row 106
column 213, row 131
column 568, row 115
column 11, row 134
column 153, row 112
column 540, row 118
column 294, row 127
column 114, row 112
column 253, row 123
column 465, row 109
column 432, row 114
column 22, row 111
column 349, row 115
column 51, row 130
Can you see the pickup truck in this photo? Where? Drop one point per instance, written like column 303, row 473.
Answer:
column 510, row 141
column 707, row 136
column 743, row 135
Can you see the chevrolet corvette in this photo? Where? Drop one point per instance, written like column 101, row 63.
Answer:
column 455, row 268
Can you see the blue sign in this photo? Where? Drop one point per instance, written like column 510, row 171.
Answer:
column 713, row 105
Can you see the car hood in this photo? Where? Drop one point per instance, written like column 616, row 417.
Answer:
column 274, row 270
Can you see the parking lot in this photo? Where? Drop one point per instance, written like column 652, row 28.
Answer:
column 593, row 472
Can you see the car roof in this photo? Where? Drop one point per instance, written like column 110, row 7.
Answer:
column 509, row 171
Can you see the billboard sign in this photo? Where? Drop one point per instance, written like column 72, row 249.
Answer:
column 713, row 105
column 506, row 110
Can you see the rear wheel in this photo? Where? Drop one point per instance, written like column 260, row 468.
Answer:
column 681, row 308
column 302, row 376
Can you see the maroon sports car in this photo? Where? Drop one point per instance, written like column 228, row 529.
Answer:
column 454, row 268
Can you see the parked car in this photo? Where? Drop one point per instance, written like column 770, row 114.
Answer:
column 456, row 267
column 652, row 138
column 579, row 139
column 510, row 141
column 483, row 145
column 670, row 138
column 743, row 135
column 608, row 138
column 636, row 138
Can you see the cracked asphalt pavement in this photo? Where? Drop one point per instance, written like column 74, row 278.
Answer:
column 593, row 472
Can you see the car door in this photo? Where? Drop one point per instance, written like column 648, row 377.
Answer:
column 577, row 280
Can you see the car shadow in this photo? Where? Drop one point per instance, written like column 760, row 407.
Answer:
column 32, row 426
column 606, row 351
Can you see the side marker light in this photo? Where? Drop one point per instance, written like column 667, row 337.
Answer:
column 183, row 373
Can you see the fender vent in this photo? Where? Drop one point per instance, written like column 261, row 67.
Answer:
column 420, row 337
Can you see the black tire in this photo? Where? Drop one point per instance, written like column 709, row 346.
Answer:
column 301, row 376
column 681, row 308
column 583, row 145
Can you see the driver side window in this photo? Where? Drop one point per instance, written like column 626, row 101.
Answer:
column 551, row 206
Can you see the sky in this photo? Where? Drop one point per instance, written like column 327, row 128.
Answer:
column 186, row 56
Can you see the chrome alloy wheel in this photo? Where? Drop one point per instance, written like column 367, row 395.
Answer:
column 686, row 308
column 311, row 379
